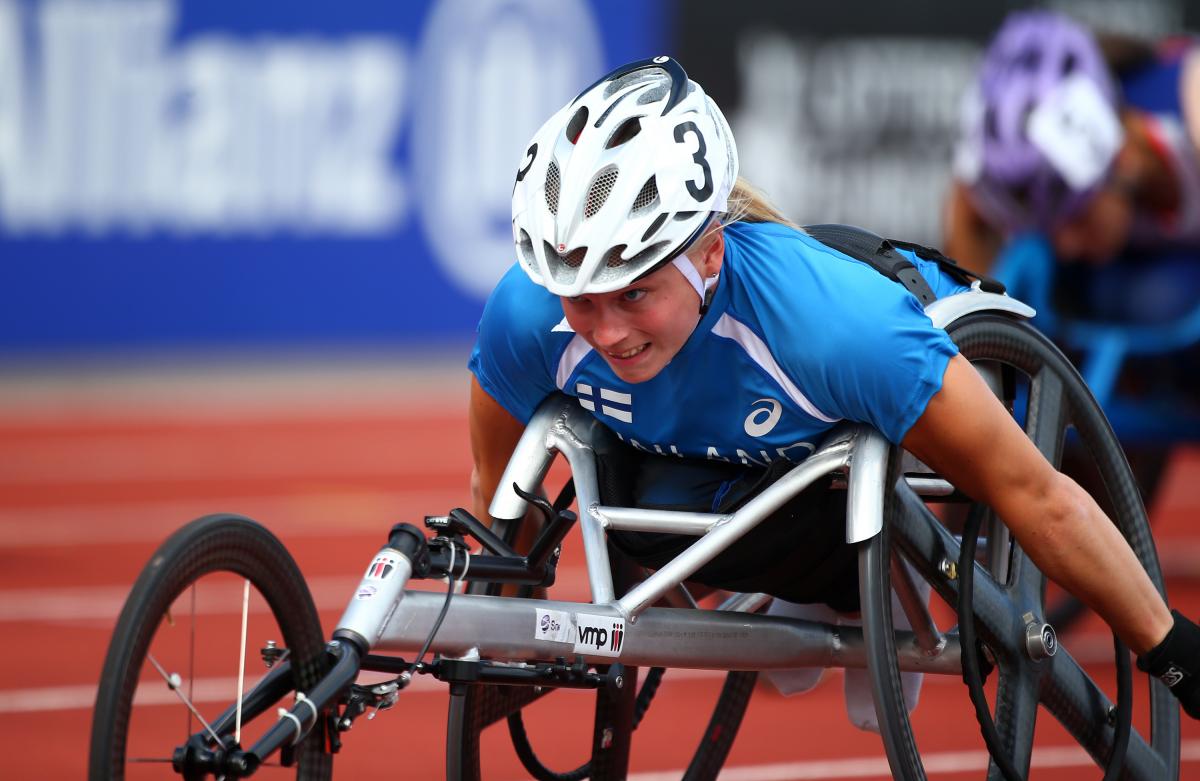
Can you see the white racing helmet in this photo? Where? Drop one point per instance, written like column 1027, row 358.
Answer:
column 621, row 180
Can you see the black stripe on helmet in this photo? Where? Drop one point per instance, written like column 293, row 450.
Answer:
column 679, row 79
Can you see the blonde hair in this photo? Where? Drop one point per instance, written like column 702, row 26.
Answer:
column 747, row 203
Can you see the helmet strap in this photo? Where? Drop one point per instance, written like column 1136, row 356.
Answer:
column 701, row 286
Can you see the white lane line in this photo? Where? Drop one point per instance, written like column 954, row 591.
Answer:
column 103, row 603
column 877, row 767
column 205, row 455
column 215, row 690
column 286, row 514
column 100, row 603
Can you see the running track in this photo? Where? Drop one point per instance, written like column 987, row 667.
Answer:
column 96, row 469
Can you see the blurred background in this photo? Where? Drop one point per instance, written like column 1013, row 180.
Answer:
column 244, row 246
column 190, row 179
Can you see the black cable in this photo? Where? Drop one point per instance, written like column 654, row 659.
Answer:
column 971, row 676
column 445, row 605
column 969, row 649
column 520, row 737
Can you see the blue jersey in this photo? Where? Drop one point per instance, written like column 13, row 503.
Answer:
column 797, row 337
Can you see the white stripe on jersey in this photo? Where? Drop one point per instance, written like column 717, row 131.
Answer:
column 758, row 352
column 617, row 396
column 576, row 351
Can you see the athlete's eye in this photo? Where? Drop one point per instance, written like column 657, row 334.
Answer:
column 636, row 294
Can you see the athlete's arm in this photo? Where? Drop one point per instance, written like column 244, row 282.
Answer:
column 494, row 435
column 966, row 435
column 1189, row 97
column 968, row 238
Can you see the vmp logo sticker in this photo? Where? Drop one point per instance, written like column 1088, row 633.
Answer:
column 762, row 419
column 599, row 635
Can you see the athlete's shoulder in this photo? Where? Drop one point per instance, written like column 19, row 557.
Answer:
column 774, row 265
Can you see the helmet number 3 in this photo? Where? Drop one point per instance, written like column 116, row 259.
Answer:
column 704, row 191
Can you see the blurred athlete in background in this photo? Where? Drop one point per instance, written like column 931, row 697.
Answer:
column 1084, row 149
column 1097, row 153
column 690, row 317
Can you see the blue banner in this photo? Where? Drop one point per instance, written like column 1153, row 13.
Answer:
column 219, row 174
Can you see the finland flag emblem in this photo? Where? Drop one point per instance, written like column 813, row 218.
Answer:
column 613, row 403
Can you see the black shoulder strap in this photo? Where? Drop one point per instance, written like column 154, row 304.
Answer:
column 881, row 255
column 964, row 276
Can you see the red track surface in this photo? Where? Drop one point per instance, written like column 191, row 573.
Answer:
column 88, row 492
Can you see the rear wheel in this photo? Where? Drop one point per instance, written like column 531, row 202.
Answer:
column 1051, row 401
column 177, row 646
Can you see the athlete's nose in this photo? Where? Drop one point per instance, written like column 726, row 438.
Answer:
column 609, row 328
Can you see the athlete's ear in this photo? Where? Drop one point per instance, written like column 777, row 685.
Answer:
column 712, row 252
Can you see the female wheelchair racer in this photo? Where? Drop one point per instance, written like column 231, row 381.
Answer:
column 729, row 346
column 694, row 321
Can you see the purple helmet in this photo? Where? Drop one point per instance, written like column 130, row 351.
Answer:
column 1041, row 126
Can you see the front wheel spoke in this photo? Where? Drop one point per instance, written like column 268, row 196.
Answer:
column 1048, row 414
column 925, row 541
column 1028, row 583
column 1082, row 708
column 1016, row 714
column 173, row 683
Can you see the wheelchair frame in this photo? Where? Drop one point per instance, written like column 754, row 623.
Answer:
column 383, row 616
column 715, row 639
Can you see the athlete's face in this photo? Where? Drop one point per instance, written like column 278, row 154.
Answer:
column 640, row 328
column 1099, row 232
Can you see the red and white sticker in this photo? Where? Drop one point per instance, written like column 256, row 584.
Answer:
column 382, row 567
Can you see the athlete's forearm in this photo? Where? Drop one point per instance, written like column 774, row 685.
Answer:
column 1070, row 539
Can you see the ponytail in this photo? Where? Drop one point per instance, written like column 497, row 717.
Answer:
column 749, row 204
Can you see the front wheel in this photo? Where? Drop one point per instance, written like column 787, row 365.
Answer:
column 178, row 652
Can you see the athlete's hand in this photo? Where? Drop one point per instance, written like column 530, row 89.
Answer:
column 1176, row 661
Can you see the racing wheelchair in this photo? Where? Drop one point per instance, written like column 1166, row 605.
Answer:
column 498, row 653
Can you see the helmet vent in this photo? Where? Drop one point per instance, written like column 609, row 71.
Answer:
column 654, row 226
column 525, row 244
column 612, row 258
column 681, row 216
column 575, row 126
column 654, row 94
column 647, row 197
column 552, row 185
column 598, row 193
column 635, row 77
column 650, row 253
column 572, row 259
column 628, row 129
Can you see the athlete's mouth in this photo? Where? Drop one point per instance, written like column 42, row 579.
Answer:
column 629, row 353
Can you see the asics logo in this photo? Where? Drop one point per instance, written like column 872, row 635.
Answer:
column 761, row 420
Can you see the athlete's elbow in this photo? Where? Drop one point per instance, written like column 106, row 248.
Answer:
column 1058, row 516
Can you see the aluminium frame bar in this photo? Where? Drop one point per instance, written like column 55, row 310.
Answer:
column 502, row 628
